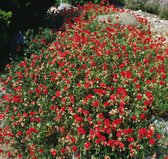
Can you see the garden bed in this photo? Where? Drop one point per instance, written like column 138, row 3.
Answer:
column 90, row 93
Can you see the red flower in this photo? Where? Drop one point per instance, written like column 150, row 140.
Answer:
column 106, row 104
column 121, row 91
column 95, row 103
column 58, row 93
column 62, row 150
column 81, row 130
column 130, row 139
column 2, row 116
column 78, row 119
column 134, row 117
column 139, row 96
column 150, row 133
column 74, row 148
column 100, row 116
column 87, row 85
column 158, row 136
column 100, row 91
column 73, row 139
column 126, row 74
column 9, row 154
column 53, row 152
column 152, row 141
column 38, row 120
column 87, row 145
column 149, row 94
column 31, row 130
column 117, row 121
column 19, row 133
column 41, row 150
column 20, row 156
column 6, row 97
column 142, row 116
column 142, row 132
column 71, row 98
column 85, row 112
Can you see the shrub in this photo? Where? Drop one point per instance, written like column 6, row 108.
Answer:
column 117, row 2
column 135, row 4
column 152, row 6
column 4, row 19
column 89, row 94
column 163, row 10
column 41, row 40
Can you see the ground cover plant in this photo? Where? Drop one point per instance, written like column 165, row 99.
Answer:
column 157, row 7
column 89, row 94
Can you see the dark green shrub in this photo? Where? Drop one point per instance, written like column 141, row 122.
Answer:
column 27, row 13
column 4, row 24
column 4, row 19
column 117, row 2
column 163, row 11
column 152, row 6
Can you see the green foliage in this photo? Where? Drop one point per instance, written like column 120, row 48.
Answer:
column 117, row 2
column 163, row 11
column 5, row 18
column 152, row 7
column 135, row 4
column 41, row 40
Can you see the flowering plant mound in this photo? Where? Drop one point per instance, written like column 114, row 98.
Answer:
column 91, row 93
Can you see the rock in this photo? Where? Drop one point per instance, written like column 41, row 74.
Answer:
column 57, row 16
column 65, row 8
column 162, row 125
column 108, row 18
column 53, row 10
column 121, row 18
column 158, row 26
column 128, row 19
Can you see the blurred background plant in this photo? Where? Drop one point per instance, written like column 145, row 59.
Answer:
column 152, row 6
column 158, row 7
column 5, row 18
column 135, row 4
column 163, row 10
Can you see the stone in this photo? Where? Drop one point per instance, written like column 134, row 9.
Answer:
column 56, row 17
column 121, row 18
column 128, row 19
column 162, row 125
column 65, row 8
column 53, row 10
